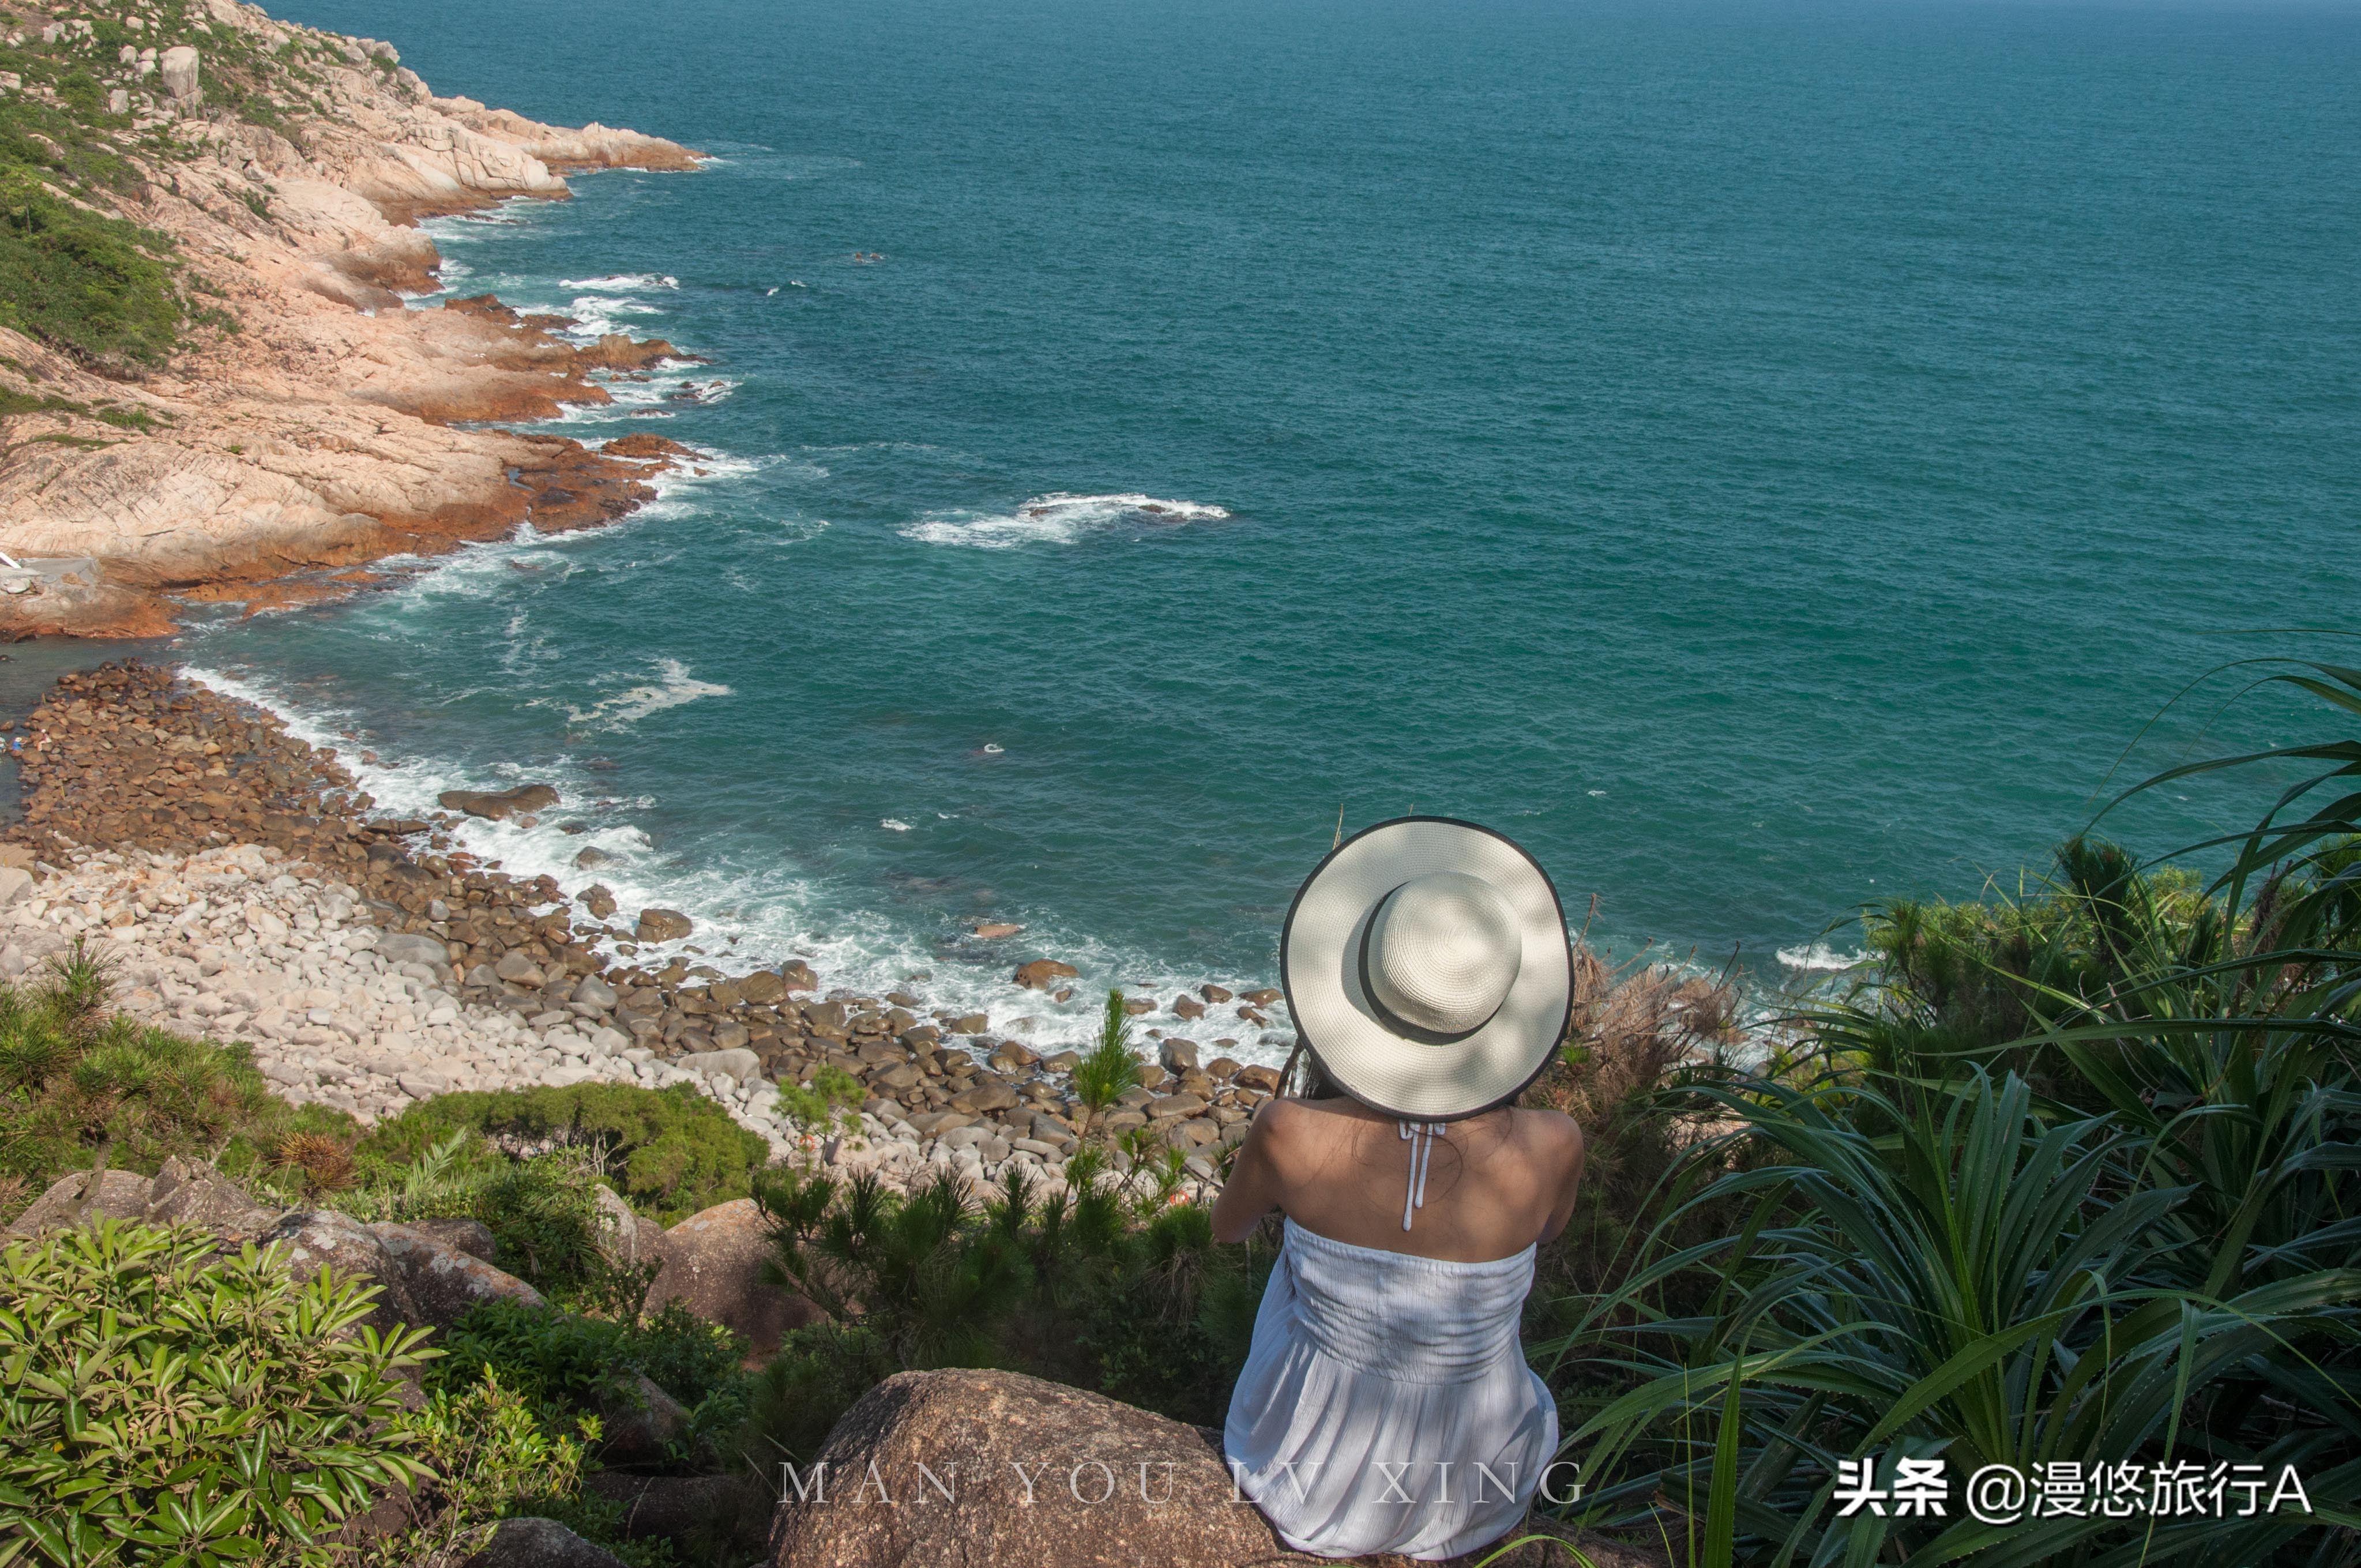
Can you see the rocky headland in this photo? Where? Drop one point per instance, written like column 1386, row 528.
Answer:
column 315, row 424
column 246, row 889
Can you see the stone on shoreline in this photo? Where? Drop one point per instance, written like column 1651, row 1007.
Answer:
column 501, row 805
column 250, row 896
column 1040, row 972
column 664, row 925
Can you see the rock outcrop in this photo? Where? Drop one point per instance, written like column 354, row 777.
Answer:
column 540, row 1543
column 1108, row 1484
column 323, row 434
column 713, row 1266
column 71, row 1200
column 348, row 1250
column 953, row 1469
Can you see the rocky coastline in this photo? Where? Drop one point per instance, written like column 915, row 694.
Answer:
column 244, row 888
column 321, row 428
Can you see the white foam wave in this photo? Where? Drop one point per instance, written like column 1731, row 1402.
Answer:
column 621, row 283
column 672, row 687
column 749, row 912
column 894, row 824
column 1055, row 518
column 1819, row 957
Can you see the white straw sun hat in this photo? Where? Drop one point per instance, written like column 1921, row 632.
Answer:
column 1426, row 965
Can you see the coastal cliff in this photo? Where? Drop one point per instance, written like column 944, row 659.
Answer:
column 298, row 415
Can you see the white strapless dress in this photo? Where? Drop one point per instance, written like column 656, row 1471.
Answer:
column 1386, row 1405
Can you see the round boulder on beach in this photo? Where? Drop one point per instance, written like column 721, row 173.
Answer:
column 1037, row 975
column 664, row 925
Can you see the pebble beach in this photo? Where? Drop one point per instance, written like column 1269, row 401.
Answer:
column 240, row 885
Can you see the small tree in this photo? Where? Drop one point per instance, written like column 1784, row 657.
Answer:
column 1101, row 1078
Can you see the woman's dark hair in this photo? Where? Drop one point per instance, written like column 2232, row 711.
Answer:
column 1312, row 1081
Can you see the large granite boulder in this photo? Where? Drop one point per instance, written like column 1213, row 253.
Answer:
column 714, row 1264
column 471, row 1236
column 499, row 806
column 443, row 1282
column 120, row 1195
column 347, row 1249
column 639, row 1422
column 969, row 1428
column 1042, row 973
column 1050, row 1476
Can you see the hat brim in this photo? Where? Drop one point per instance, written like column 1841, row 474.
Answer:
column 1320, row 966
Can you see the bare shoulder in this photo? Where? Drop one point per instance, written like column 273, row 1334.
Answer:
column 1548, row 1132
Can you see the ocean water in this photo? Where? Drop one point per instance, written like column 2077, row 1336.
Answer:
column 1765, row 457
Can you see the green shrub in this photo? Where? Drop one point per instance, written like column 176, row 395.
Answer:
column 2124, row 1236
column 1115, row 1285
column 564, row 1365
column 670, row 1152
column 1101, row 1077
column 75, row 1078
column 165, row 1406
column 98, row 286
column 830, row 1102
column 493, row 1458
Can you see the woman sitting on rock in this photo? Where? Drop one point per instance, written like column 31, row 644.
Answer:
column 1386, row 1405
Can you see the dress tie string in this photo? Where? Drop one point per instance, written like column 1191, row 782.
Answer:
column 1421, row 1159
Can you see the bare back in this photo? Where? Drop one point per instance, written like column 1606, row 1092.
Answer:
column 1495, row 1183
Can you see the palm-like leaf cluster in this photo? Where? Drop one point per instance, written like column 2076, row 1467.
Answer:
column 2071, row 1182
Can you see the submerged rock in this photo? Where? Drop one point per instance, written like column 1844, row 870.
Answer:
column 500, row 805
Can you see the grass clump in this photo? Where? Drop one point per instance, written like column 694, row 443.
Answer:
column 78, row 1080
column 669, row 1152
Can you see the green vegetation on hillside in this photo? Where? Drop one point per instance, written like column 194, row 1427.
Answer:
column 670, row 1152
column 75, row 271
column 78, row 1080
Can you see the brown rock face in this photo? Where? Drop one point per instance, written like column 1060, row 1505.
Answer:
column 1038, row 975
column 627, row 1236
column 1086, row 1455
column 714, row 1264
column 540, row 1543
column 686, row 1508
column 346, row 1249
column 471, row 1236
column 1048, row 1476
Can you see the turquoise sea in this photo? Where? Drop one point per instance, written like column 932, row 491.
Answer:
column 1765, row 456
